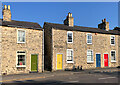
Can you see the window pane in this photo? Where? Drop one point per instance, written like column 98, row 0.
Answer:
column 89, row 38
column 21, row 36
column 113, row 55
column 89, row 55
column 69, row 55
column 69, row 37
column 112, row 40
column 21, row 59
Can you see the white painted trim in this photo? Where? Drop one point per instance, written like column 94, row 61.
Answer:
column 93, row 57
column 17, row 59
column 56, row 60
column 90, row 62
column 103, row 59
column 70, row 61
column 113, row 61
column 67, row 36
column 114, row 40
column 67, row 55
column 17, row 35
column 87, row 38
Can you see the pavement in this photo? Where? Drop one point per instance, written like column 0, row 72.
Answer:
column 98, row 75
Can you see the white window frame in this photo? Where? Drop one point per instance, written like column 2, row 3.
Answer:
column 17, row 59
column 87, row 38
column 67, row 36
column 114, row 39
column 111, row 56
column 92, row 55
column 17, row 35
column 72, row 56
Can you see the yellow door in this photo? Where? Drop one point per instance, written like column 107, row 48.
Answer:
column 59, row 61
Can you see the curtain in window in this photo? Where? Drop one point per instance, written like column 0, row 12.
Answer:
column 21, row 36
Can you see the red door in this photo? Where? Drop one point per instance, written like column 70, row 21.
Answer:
column 105, row 59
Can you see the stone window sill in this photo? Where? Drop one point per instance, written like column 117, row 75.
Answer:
column 21, row 66
column 70, row 62
column 90, row 62
column 113, row 61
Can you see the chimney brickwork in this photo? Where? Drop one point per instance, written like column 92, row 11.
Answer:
column 6, row 13
column 104, row 25
column 69, row 21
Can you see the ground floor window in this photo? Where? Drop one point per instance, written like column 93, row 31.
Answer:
column 89, row 56
column 113, row 56
column 69, row 55
column 21, row 58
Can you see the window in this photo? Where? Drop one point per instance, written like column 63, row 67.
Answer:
column 89, row 38
column 89, row 56
column 113, row 56
column 112, row 40
column 69, row 55
column 69, row 37
column 21, row 36
column 21, row 57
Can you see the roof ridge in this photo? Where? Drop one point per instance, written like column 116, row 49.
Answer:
column 82, row 28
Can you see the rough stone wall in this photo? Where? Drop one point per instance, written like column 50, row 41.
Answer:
column 119, row 49
column 33, row 45
column 0, row 51
column 100, row 44
column 6, row 15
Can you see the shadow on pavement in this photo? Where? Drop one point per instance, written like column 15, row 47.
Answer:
column 53, row 82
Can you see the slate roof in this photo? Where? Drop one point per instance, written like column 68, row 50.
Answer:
column 81, row 28
column 20, row 24
column 117, row 28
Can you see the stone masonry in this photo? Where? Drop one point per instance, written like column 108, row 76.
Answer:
column 56, row 42
column 33, row 45
column 100, row 44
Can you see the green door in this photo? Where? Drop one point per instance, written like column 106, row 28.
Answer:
column 34, row 62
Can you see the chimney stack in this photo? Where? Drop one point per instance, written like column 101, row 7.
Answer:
column 6, row 13
column 69, row 21
column 104, row 25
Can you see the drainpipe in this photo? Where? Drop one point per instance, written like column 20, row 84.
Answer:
column 43, row 52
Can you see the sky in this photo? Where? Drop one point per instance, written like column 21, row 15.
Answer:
column 88, row 14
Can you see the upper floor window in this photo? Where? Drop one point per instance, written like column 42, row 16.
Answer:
column 21, row 59
column 69, row 55
column 21, row 36
column 89, row 38
column 89, row 56
column 113, row 56
column 112, row 39
column 69, row 37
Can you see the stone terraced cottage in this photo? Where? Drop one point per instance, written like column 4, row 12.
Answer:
column 118, row 28
column 21, row 45
column 69, row 47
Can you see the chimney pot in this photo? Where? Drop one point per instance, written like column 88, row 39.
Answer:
column 69, row 14
column 102, row 20
column 5, row 6
column 9, row 7
column 105, row 20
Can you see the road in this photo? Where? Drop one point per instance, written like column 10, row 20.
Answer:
column 63, row 77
